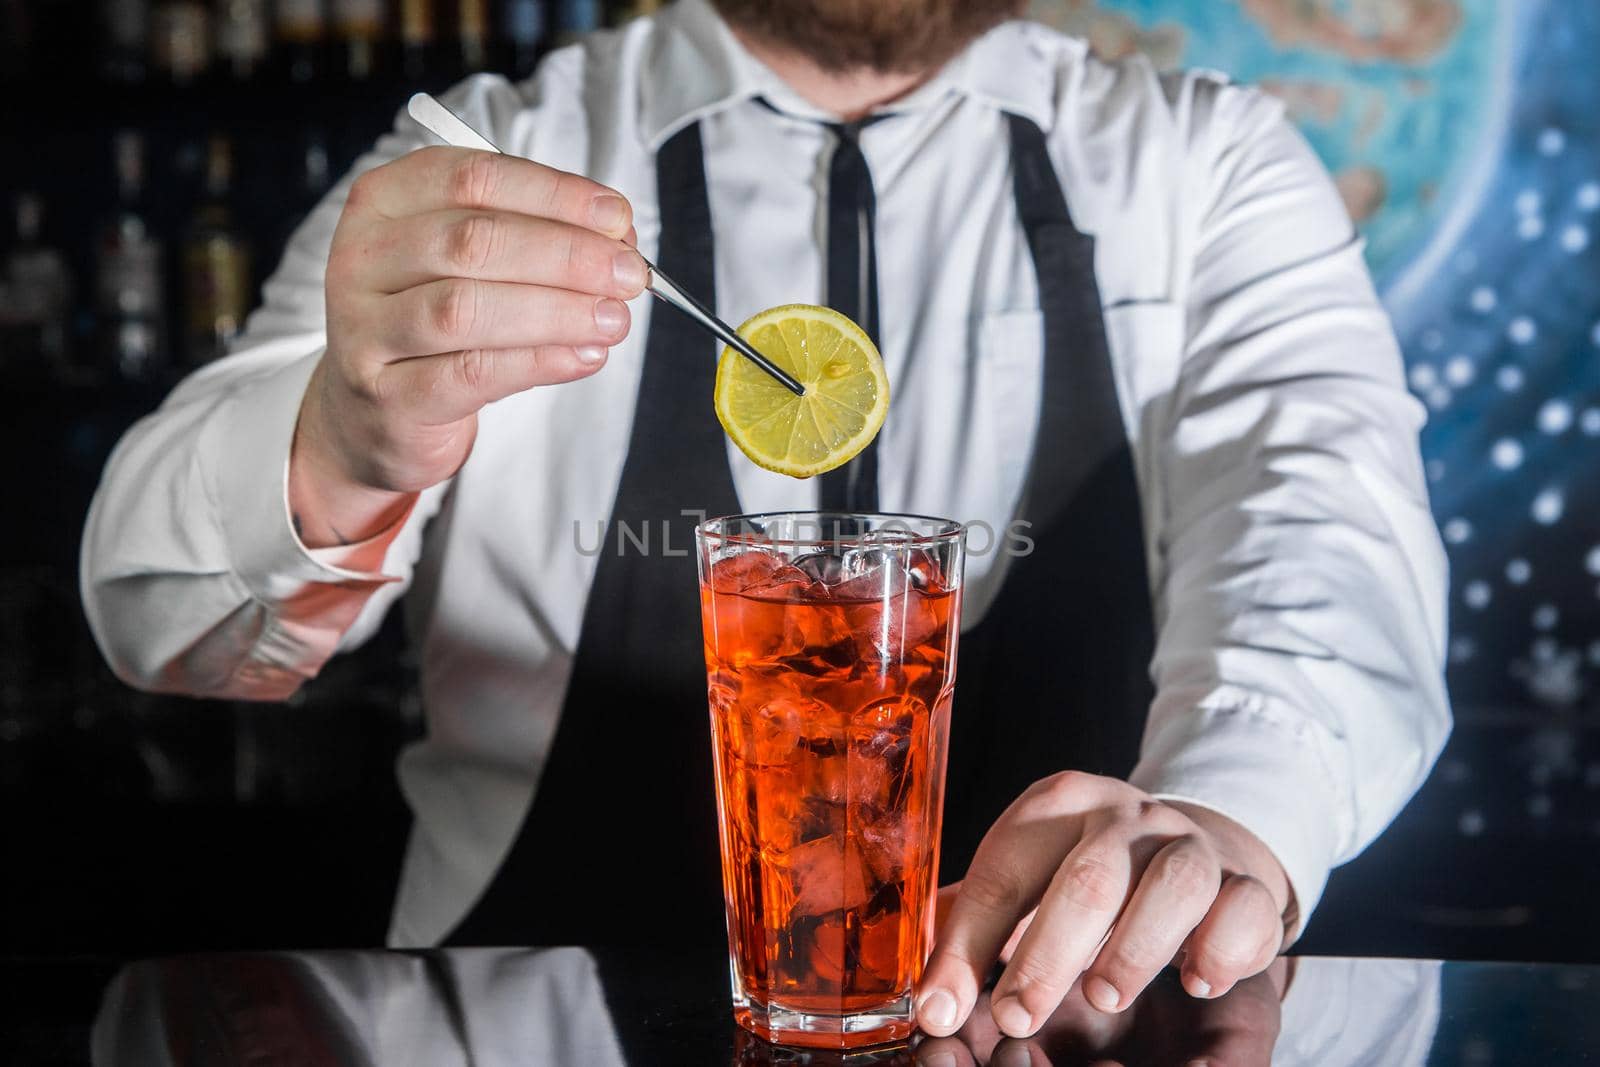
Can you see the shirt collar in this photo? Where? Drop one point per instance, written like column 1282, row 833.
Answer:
column 696, row 67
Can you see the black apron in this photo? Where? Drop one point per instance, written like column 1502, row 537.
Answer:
column 620, row 843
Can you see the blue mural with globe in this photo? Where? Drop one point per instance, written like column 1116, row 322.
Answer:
column 1465, row 138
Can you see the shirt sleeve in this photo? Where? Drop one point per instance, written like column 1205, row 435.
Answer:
column 1301, row 584
column 193, row 578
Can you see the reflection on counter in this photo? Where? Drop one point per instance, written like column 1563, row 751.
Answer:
column 562, row 1006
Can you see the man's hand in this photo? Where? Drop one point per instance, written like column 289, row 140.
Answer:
column 456, row 278
column 1089, row 876
column 1164, row 1025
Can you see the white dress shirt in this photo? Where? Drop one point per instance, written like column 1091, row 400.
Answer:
column 1297, row 578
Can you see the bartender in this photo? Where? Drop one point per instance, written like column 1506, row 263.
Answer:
column 1126, row 310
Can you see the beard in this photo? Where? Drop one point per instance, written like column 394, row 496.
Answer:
column 888, row 36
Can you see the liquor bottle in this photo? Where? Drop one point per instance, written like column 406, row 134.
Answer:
column 358, row 28
column 216, row 265
column 16, row 39
column 37, row 301
column 301, row 28
column 523, row 23
column 417, row 36
column 125, row 25
column 574, row 18
column 315, row 170
column 180, row 40
column 472, row 33
column 314, row 180
column 129, row 295
column 242, row 36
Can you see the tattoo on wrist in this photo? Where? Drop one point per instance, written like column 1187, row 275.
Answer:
column 300, row 530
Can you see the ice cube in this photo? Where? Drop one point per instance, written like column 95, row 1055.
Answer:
column 850, row 779
column 871, row 574
column 783, row 583
column 738, row 571
column 884, row 845
column 827, row 874
column 885, row 720
column 891, row 630
column 826, row 569
column 778, row 726
column 882, row 735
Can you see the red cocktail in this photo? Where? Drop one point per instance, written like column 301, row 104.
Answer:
column 830, row 651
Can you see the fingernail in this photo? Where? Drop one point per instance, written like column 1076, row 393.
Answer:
column 941, row 1057
column 628, row 270
column 591, row 354
column 1198, row 986
column 938, row 1009
column 1011, row 1017
column 609, row 212
column 1198, row 1063
column 611, row 316
column 1012, row 1054
column 1101, row 993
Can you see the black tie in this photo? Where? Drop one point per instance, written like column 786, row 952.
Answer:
column 852, row 291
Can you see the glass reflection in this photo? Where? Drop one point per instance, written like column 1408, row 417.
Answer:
column 555, row 1006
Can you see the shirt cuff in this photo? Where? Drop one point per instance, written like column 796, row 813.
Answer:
column 247, row 447
column 1262, row 771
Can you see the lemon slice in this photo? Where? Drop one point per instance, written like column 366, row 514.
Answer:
column 847, row 391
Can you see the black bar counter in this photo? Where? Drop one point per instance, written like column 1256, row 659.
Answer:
column 605, row 1008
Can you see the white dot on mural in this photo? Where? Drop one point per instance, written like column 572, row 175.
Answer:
column 1555, row 417
column 1435, row 469
column 1460, row 371
column 1529, row 202
column 1506, row 454
column 1476, row 595
column 1458, row 531
column 1530, row 227
column 1423, row 377
column 1552, row 142
column 1471, row 823
column 1591, row 562
column 1522, row 330
column 1509, row 379
column 1518, row 571
column 1432, row 340
column 1548, row 507
column 1575, row 239
column 1590, row 422
column 1484, row 299
column 1588, row 197
column 1439, row 397
column 1545, row 617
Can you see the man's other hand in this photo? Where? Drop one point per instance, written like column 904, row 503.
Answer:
column 1088, row 877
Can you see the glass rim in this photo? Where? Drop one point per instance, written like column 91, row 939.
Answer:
column 944, row 532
